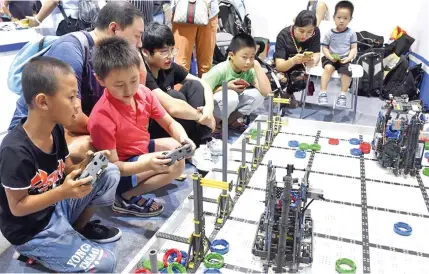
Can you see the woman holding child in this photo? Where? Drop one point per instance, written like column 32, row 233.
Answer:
column 297, row 48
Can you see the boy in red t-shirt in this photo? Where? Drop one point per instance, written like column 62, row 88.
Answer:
column 119, row 123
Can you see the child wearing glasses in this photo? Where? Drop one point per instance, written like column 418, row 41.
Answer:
column 191, row 105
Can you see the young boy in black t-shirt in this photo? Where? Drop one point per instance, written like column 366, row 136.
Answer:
column 44, row 209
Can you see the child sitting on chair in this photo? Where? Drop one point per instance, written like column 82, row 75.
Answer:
column 240, row 71
column 119, row 123
column 339, row 47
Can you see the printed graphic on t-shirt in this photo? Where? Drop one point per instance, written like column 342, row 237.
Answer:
column 42, row 181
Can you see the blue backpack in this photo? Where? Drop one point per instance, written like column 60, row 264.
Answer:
column 35, row 49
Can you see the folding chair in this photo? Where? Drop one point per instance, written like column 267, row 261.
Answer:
column 357, row 72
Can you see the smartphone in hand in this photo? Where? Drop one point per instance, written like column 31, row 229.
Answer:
column 242, row 82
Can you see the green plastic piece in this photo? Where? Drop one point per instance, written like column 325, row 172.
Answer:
column 214, row 260
column 304, row 146
column 344, row 261
column 427, row 145
column 426, row 171
column 315, row 147
column 180, row 268
column 336, row 57
column 146, row 264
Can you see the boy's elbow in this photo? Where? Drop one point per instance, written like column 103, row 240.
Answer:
column 17, row 211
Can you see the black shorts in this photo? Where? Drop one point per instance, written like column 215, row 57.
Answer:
column 341, row 68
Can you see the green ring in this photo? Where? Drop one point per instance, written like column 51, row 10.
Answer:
column 176, row 266
column 315, row 147
column 214, row 256
column 345, row 261
column 146, row 264
column 426, row 171
column 304, row 146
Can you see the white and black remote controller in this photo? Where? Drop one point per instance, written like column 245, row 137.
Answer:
column 95, row 167
column 179, row 154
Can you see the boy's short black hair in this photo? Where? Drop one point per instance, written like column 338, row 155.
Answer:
column 114, row 53
column 40, row 76
column 121, row 12
column 157, row 36
column 241, row 41
column 345, row 5
column 305, row 18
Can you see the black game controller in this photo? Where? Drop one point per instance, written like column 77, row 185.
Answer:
column 179, row 154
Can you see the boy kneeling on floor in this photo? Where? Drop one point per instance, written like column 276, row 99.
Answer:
column 44, row 208
column 119, row 123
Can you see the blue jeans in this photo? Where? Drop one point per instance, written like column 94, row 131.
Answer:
column 61, row 248
column 128, row 182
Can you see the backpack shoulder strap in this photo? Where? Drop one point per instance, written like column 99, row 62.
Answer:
column 86, row 97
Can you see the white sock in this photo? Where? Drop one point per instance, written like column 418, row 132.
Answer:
column 322, row 91
column 343, row 93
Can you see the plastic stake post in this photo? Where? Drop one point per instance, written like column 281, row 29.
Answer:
column 270, row 110
column 258, row 137
column 224, row 132
column 243, row 151
column 153, row 261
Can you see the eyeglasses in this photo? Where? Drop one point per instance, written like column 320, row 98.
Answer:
column 169, row 52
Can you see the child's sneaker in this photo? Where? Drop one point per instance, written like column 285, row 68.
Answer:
column 341, row 101
column 99, row 233
column 203, row 159
column 323, row 98
column 215, row 146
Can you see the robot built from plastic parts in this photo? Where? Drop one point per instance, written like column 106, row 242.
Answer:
column 396, row 141
column 284, row 238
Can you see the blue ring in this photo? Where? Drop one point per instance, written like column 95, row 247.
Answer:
column 426, row 155
column 293, row 143
column 173, row 256
column 300, row 154
column 355, row 152
column 402, row 229
column 220, row 242
column 354, row 141
column 212, row 270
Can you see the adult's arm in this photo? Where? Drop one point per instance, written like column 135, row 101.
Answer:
column 6, row 9
column 47, row 7
column 175, row 107
column 208, row 93
column 281, row 57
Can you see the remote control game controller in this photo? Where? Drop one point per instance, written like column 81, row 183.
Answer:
column 178, row 154
column 95, row 167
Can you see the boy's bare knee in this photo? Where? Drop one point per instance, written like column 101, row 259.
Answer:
column 329, row 68
column 177, row 168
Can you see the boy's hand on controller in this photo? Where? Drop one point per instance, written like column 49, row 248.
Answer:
column 86, row 161
column 158, row 162
column 186, row 140
column 233, row 85
column 75, row 189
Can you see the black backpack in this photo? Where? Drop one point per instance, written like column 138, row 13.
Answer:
column 400, row 80
column 231, row 20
